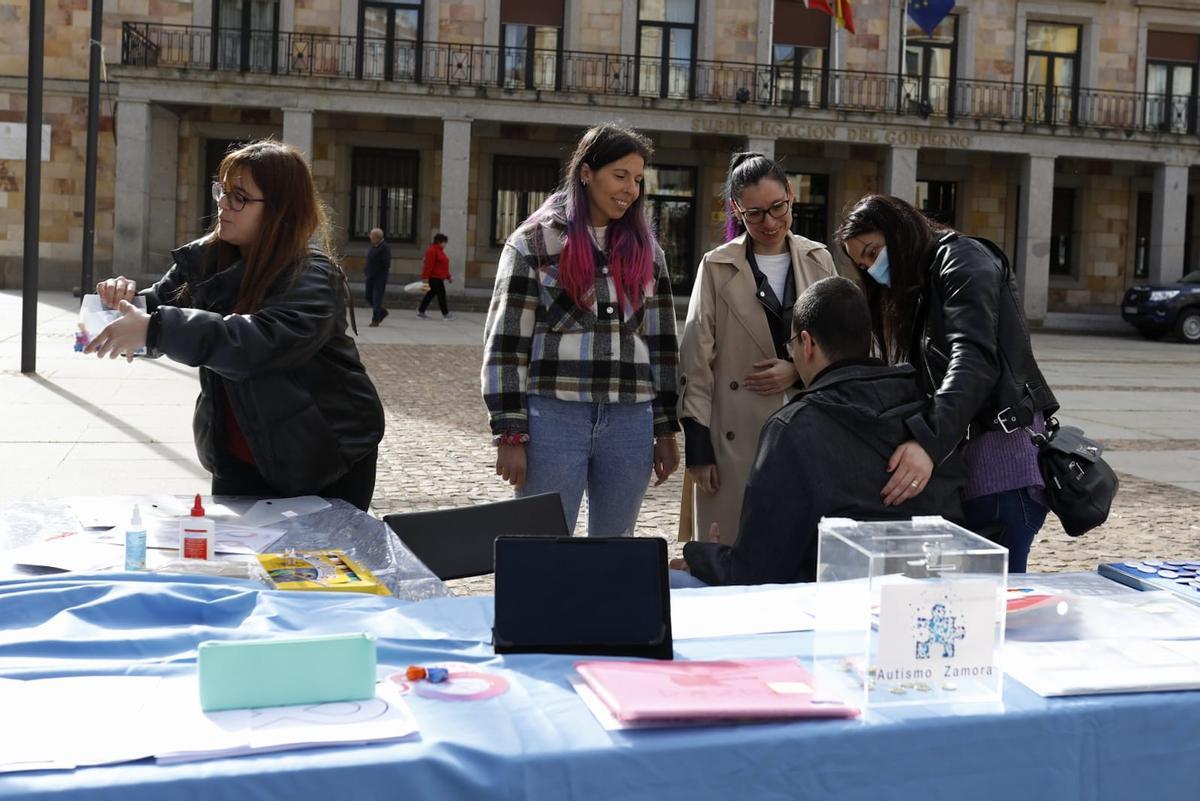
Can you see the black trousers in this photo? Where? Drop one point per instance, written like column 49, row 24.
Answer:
column 437, row 288
column 375, row 286
column 243, row 478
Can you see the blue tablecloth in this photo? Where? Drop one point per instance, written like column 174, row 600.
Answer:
column 538, row 742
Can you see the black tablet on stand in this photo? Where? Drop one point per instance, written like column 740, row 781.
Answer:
column 606, row 596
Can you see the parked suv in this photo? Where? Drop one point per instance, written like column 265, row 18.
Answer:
column 1156, row 310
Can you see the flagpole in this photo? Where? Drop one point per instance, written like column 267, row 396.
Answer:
column 833, row 56
column 900, row 66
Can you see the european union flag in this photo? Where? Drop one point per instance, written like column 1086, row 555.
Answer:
column 929, row 13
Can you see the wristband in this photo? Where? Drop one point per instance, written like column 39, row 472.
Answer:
column 510, row 438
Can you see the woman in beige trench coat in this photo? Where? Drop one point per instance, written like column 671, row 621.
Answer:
column 733, row 353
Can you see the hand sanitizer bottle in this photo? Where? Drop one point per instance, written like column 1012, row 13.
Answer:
column 196, row 534
column 135, row 542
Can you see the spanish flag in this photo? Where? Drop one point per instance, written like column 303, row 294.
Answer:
column 838, row 9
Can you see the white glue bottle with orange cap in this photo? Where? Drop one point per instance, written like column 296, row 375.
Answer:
column 197, row 534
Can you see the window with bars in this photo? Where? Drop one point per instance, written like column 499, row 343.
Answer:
column 1172, row 60
column 1062, row 232
column 519, row 186
column 929, row 65
column 670, row 201
column 383, row 191
column 1052, row 72
column 800, row 46
column 666, row 57
column 531, row 34
column 810, row 205
column 938, row 200
column 390, row 38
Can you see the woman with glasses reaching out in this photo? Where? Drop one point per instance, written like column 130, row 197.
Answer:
column 258, row 304
column 734, row 360
column 580, row 356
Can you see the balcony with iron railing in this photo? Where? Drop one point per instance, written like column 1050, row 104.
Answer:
column 771, row 86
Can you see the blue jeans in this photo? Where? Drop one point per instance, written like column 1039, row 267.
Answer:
column 1019, row 514
column 681, row 580
column 606, row 449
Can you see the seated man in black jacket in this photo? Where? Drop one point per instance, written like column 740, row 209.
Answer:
column 825, row 454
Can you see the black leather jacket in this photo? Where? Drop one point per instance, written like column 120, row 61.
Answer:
column 293, row 376
column 971, row 348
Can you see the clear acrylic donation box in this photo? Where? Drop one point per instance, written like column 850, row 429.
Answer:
column 909, row 611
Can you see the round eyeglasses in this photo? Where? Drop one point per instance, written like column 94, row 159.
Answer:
column 236, row 200
column 778, row 210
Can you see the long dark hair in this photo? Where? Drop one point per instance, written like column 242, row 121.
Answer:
column 292, row 217
column 747, row 169
column 630, row 240
column 911, row 239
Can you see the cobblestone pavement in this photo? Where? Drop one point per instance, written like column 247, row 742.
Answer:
column 437, row 453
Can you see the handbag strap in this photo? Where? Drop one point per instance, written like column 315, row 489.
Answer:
column 1039, row 438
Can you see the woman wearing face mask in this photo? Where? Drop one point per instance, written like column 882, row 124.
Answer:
column 580, row 356
column 286, row 407
column 948, row 304
column 733, row 353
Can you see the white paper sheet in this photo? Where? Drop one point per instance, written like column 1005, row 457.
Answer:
column 696, row 615
column 97, row 720
column 1095, row 667
column 231, row 538
column 105, row 512
column 82, row 552
column 277, row 510
column 196, row 735
column 80, row 720
column 94, row 316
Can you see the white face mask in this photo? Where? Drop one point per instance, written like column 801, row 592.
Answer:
column 880, row 269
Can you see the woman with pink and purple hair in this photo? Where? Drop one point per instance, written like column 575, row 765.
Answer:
column 580, row 356
column 733, row 354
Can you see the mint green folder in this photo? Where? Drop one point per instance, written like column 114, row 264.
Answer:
column 245, row 674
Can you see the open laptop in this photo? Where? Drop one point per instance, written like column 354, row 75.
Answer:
column 582, row 595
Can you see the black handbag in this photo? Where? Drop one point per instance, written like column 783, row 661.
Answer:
column 1080, row 486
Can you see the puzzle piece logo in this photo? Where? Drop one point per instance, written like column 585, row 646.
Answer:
column 938, row 629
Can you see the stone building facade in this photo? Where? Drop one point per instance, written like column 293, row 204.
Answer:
column 1065, row 130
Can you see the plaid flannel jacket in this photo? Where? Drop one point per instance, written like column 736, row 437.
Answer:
column 538, row 341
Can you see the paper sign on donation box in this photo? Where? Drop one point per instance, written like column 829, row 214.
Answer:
column 909, row 612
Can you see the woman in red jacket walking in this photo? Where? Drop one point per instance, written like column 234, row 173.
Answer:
column 436, row 273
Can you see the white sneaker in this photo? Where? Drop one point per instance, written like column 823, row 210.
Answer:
column 448, row 317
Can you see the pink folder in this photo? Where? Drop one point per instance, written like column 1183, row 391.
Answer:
column 752, row 688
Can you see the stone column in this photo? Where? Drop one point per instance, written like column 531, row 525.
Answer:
column 896, row 18
column 491, row 23
column 764, row 146
column 900, row 173
column 456, row 175
column 629, row 28
column 298, row 129
column 572, row 24
column 131, row 211
column 704, row 44
column 1032, row 259
column 765, row 31
column 1168, row 223
column 164, row 165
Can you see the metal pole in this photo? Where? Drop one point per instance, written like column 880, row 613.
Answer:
column 93, row 126
column 900, row 67
column 33, row 186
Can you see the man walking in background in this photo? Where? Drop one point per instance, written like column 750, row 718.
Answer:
column 379, row 262
column 436, row 273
